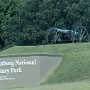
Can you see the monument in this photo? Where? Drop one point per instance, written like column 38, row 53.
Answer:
column 26, row 70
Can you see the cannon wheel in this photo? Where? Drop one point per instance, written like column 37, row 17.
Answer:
column 81, row 34
column 51, row 36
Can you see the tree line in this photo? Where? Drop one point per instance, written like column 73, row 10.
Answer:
column 27, row 24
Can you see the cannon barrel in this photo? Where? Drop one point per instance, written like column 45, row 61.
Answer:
column 63, row 30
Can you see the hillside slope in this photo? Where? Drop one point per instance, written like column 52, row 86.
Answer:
column 74, row 67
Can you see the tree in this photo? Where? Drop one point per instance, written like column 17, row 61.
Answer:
column 8, row 9
column 29, row 24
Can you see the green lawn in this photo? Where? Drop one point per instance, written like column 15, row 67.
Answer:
column 75, row 66
column 64, row 86
column 48, row 49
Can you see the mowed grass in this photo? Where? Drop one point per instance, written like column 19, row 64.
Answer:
column 64, row 86
column 48, row 49
column 75, row 66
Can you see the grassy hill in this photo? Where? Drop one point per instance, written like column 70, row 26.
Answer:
column 74, row 67
column 64, row 86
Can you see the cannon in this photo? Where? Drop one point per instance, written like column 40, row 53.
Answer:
column 56, row 35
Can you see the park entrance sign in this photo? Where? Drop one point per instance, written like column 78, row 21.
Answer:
column 26, row 70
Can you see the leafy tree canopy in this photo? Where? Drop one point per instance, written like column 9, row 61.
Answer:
column 29, row 24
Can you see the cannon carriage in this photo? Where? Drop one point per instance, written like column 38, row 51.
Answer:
column 56, row 35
